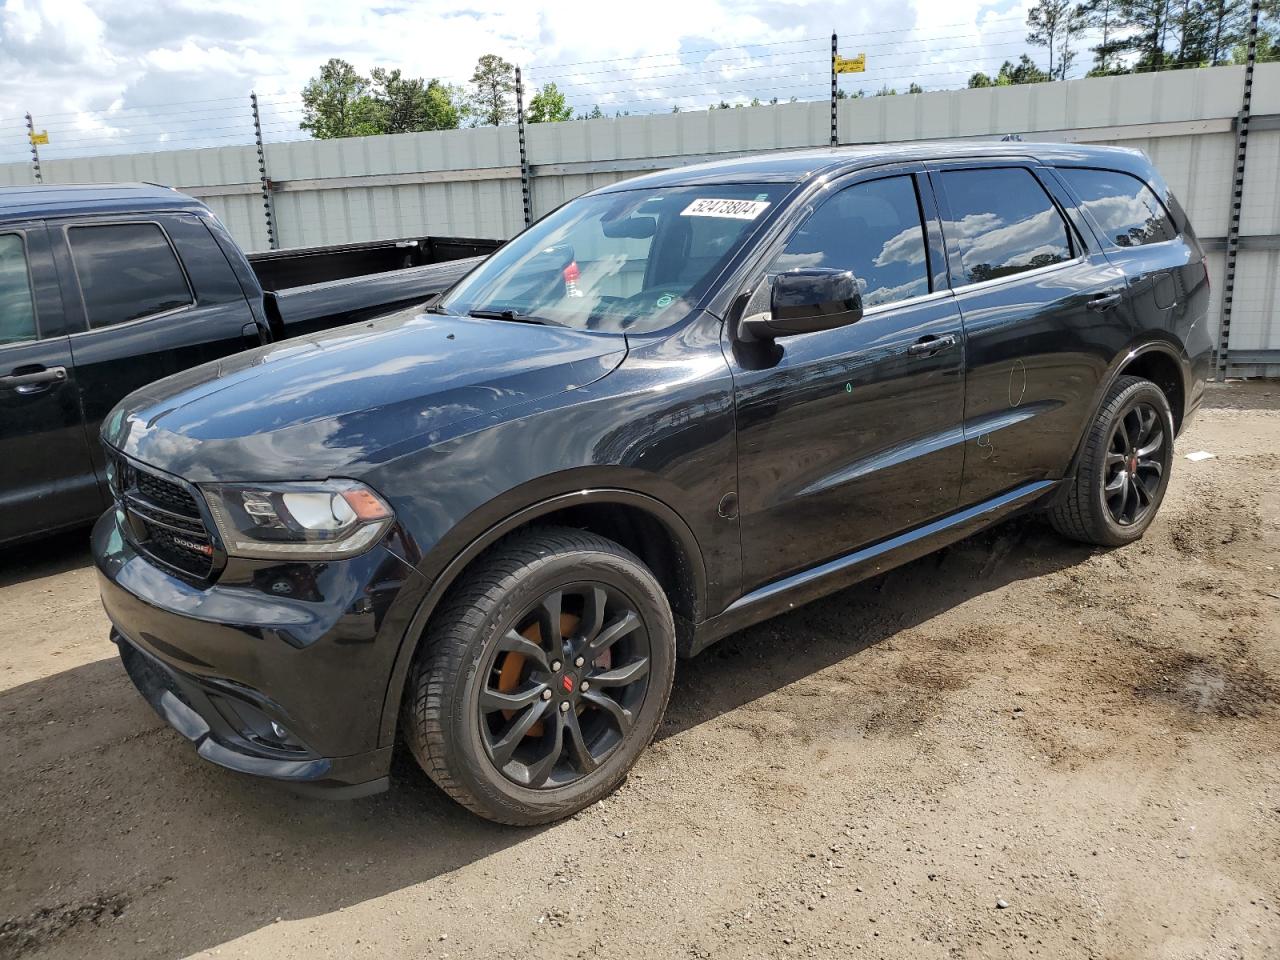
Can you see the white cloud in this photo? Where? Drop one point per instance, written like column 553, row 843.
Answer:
column 119, row 73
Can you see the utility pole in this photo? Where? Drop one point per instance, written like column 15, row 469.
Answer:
column 835, row 138
column 524, row 154
column 35, row 150
column 267, row 210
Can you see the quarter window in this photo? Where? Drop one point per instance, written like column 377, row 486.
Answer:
column 127, row 271
column 1122, row 206
column 872, row 229
column 17, row 311
column 1002, row 223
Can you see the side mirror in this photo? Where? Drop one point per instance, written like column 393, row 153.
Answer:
column 803, row 301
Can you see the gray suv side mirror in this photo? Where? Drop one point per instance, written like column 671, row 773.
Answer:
column 804, row 301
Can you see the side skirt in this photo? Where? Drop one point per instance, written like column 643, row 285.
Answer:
column 816, row 582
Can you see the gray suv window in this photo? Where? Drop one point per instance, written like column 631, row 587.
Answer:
column 1122, row 206
column 1002, row 222
column 872, row 229
column 127, row 271
column 17, row 312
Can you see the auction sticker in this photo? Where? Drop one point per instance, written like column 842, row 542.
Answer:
column 729, row 209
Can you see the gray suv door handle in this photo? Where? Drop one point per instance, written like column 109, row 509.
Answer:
column 34, row 381
column 928, row 346
column 1105, row 302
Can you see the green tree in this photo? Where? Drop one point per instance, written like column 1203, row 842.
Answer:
column 408, row 105
column 595, row 114
column 1227, row 23
column 337, row 103
column 980, row 79
column 915, row 88
column 1055, row 24
column 1101, row 15
column 1024, row 71
column 548, row 106
column 493, row 83
column 886, row 91
column 1149, row 21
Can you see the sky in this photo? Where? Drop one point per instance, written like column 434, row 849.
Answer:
column 110, row 76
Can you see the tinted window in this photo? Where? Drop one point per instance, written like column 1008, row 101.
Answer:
column 1002, row 222
column 17, row 313
column 872, row 229
column 1122, row 206
column 126, row 271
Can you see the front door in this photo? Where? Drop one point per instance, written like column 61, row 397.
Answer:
column 46, row 481
column 849, row 436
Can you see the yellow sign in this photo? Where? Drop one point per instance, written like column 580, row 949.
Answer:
column 856, row 64
column 39, row 139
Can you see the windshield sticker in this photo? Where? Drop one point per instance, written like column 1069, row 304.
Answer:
column 730, row 209
column 665, row 300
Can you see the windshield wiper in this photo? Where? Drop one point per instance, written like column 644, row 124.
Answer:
column 512, row 316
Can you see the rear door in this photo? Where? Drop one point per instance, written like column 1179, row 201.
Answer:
column 46, row 481
column 848, row 436
column 1043, row 311
column 149, row 296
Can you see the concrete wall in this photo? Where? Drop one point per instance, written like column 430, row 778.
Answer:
column 467, row 182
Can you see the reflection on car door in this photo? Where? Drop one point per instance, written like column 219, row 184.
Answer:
column 851, row 435
column 1043, row 315
column 46, row 481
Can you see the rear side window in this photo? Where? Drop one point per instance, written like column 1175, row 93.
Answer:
column 127, row 271
column 1002, row 223
column 1124, row 207
column 17, row 312
column 872, row 229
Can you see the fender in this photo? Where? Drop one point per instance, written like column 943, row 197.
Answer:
column 1168, row 347
column 453, row 569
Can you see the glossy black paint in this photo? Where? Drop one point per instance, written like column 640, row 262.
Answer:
column 54, row 472
column 771, row 472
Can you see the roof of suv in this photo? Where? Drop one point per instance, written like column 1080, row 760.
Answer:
column 796, row 166
column 52, row 200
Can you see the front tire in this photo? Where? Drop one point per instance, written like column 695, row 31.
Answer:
column 542, row 678
column 1124, row 468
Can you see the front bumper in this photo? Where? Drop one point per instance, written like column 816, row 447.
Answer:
column 276, row 670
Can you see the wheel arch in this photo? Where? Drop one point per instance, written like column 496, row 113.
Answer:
column 1163, row 362
column 647, row 526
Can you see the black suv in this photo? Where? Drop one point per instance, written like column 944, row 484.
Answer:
column 671, row 408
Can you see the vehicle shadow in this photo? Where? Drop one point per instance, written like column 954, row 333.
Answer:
column 109, row 814
column 45, row 557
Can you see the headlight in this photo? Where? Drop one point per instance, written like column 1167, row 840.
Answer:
column 301, row 521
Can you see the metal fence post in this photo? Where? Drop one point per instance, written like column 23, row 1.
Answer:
column 35, row 151
column 835, row 138
column 267, row 210
column 1222, row 354
column 524, row 154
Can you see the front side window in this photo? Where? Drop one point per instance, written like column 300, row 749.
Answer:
column 1002, row 223
column 630, row 261
column 872, row 229
column 17, row 310
column 127, row 271
column 1121, row 205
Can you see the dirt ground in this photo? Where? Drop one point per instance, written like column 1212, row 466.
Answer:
column 1015, row 747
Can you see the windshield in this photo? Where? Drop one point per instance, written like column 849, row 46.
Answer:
column 632, row 261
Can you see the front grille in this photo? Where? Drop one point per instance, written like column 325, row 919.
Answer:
column 164, row 518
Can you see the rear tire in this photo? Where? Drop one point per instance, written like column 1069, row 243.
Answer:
column 1123, row 470
column 542, row 678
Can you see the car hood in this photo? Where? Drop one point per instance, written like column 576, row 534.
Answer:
column 313, row 407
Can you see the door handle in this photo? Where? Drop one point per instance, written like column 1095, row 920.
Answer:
column 1104, row 302
column 930, row 345
column 35, row 380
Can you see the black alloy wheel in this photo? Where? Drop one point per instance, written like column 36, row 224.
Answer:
column 542, row 676
column 1134, row 466
column 1122, row 470
column 564, row 684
